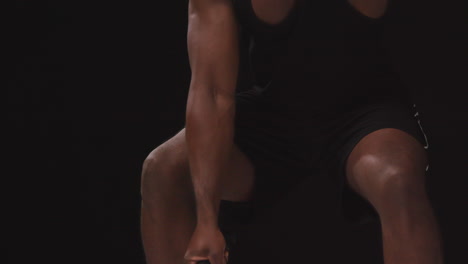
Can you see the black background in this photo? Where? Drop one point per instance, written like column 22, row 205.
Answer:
column 96, row 85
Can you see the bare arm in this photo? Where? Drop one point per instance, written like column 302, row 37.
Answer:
column 213, row 54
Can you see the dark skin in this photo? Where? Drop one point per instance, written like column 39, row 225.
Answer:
column 184, row 179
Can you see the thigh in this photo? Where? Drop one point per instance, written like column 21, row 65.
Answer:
column 370, row 131
column 237, row 180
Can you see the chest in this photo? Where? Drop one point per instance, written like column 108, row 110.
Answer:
column 274, row 11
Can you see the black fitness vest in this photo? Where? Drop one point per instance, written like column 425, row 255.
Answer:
column 263, row 42
column 324, row 55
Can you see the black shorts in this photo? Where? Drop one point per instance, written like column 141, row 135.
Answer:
column 286, row 147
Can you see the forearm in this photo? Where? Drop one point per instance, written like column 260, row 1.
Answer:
column 209, row 134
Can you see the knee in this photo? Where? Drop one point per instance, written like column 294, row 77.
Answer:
column 161, row 169
column 400, row 180
column 389, row 180
column 155, row 162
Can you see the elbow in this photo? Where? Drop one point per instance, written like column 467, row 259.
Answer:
column 217, row 94
column 225, row 101
column 207, row 100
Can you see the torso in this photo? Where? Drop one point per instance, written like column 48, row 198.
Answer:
column 322, row 53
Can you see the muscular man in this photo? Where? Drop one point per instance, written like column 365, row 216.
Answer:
column 322, row 94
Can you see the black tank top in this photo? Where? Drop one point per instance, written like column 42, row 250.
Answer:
column 324, row 55
column 264, row 41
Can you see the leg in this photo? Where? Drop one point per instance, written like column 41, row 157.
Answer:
column 387, row 167
column 168, row 206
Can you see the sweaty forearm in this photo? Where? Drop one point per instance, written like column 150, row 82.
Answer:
column 209, row 135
